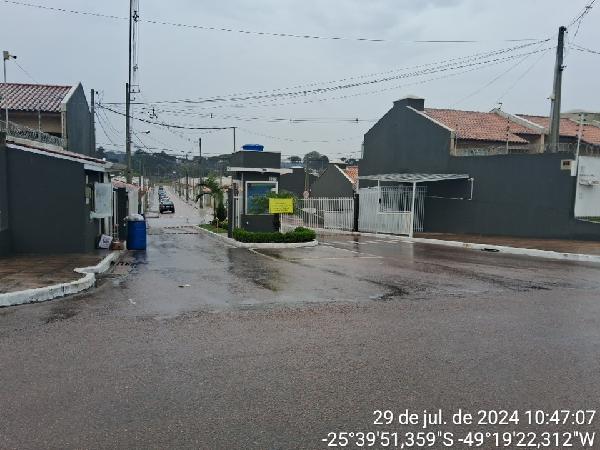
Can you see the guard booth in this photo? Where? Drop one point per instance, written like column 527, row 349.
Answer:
column 254, row 174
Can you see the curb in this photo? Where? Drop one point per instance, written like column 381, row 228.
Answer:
column 259, row 245
column 548, row 254
column 60, row 290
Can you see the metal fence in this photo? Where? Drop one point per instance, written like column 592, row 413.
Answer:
column 563, row 147
column 320, row 213
column 23, row 132
column 387, row 209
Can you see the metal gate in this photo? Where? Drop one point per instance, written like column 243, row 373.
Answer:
column 387, row 209
column 320, row 213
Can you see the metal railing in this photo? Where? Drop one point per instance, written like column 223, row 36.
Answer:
column 320, row 213
column 16, row 130
column 563, row 147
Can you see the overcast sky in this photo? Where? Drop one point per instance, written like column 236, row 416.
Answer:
column 184, row 63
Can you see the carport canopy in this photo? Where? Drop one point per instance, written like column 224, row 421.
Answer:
column 415, row 177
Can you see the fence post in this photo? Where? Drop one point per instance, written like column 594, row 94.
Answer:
column 356, row 206
column 230, row 212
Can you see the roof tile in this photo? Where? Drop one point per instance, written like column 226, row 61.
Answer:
column 32, row 97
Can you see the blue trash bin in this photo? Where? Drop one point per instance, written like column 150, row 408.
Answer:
column 136, row 235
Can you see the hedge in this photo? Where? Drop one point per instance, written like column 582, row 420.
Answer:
column 300, row 234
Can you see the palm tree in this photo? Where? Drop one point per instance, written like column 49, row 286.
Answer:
column 216, row 191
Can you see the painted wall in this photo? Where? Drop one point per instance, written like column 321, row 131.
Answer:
column 516, row 195
column 332, row 183
column 78, row 124
column 5, row 247
column 47, row 201
column 269, row 160
column 294, row 182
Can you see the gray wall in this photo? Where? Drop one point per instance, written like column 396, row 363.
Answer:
column 270, row 160
column 294, row 182
column 79, row 129
column 4, row 218
column 332, row 183
column 47, row 204
column 517, row 195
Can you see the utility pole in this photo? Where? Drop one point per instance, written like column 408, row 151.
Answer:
column 92, row 124
column 233, row 139
column 128, row 98
column 554, row 133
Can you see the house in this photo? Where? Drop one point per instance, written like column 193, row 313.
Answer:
column 297, row 182
column 489, row 172
column 338, row 180
column 61, row 112
column 52, row 200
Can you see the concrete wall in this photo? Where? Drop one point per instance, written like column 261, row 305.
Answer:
column 78, row 124
column 47, row 204
column 515, row 195
column 5, row 246
column 332, row 183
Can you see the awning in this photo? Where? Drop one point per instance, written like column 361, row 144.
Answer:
column 415, row 177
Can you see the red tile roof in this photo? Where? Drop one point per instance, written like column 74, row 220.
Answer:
column 32, row 97
column 352, row 172
column 568, row 128
column 480, row 126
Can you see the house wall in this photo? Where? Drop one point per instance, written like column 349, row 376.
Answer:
column 517, row 195
column 332, row 183
column 50, row 122
column 294, row 182
column 78, row 124
column 46, row 196
column 5, row 247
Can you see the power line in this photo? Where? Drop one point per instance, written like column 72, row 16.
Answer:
column 349, row 82
column 254, row 32
column 584, row 49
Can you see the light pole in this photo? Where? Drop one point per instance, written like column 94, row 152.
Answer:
column 5, row 57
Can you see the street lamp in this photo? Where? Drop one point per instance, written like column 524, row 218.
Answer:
column 5, row 57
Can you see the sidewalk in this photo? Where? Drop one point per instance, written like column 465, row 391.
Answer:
column 553, row 245
column 21, row 272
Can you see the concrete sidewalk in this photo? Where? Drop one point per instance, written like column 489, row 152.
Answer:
column 22, row 272
column 553, row 245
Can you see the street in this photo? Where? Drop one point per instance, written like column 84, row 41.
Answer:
column 195, row 344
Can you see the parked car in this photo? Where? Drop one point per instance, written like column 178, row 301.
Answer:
column 166, row 206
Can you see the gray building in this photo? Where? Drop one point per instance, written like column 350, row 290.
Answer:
column 338, row 180
column 297, row 182
column 518, row 185
column 50, row 199
column 59, row 111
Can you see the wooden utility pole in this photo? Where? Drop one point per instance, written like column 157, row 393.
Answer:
column 554, row 132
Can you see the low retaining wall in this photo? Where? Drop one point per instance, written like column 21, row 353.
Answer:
column 61, row 289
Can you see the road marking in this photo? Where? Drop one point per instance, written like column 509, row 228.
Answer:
column 335, row 257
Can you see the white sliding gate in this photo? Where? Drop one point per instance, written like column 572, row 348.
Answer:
column 320, row 213
column 387, row 209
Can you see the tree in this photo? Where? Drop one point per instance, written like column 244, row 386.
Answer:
column 217, row 193
column 311, row 156
column 295, row 159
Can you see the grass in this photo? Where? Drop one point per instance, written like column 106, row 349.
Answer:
column 209, row 227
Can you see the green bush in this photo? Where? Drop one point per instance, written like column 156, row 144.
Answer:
column 300, row 234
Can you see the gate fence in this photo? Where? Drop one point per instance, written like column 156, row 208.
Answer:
column 387, row 209
column 320, row 213
column 237, row 211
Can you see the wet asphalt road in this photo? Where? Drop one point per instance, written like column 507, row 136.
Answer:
column 274, row 349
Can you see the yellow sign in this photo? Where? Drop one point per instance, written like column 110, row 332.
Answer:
column 281, row 205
